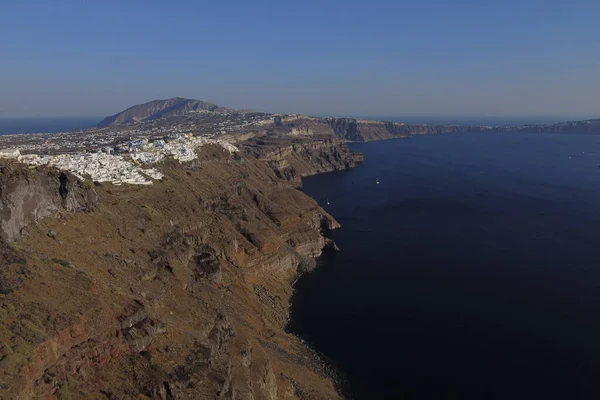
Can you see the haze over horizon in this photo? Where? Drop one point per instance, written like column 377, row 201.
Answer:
column 428, row 58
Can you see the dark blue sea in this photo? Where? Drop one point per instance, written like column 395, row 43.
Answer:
column 472, row 271
column 10, row 125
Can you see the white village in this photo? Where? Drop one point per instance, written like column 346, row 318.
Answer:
column 128, row 163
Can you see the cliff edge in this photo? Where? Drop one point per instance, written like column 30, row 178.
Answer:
column 170, row 291
column 29, row 195
column 298, row 156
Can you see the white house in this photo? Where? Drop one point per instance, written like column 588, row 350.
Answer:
column 10, row 153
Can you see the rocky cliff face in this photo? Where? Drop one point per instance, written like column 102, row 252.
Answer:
column 178, row 290
column 27, row 196
column 365, row 130
column 293, row 159
column 159, row 109
column 359, row 130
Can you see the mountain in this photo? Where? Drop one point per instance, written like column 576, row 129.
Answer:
column 160, row 109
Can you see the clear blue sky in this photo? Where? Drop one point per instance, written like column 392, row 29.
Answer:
column 420, row 57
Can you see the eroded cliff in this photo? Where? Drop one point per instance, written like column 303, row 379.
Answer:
column 179, row 290
column 362, row 130
column 27, row 196
column 293, row 158
column 367, row 130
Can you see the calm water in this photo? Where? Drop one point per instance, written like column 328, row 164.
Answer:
column 45, row 124
column 472, row 271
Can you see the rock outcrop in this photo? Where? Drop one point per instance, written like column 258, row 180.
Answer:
column 28, row 195
column 171, row 291
column 291, row 159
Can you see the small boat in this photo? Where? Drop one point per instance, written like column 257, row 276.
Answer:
column 327, row 201
column 377, row 181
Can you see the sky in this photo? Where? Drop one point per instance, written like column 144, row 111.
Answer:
column 360, row 58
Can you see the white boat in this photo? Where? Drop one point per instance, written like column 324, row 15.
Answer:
column 377, row 181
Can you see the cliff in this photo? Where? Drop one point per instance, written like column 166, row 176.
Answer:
column 302, row 156
column 156, row 109
column 366, row 130
column 170, row 291
column 27, row 196
column 377, row 130
column 361, row 130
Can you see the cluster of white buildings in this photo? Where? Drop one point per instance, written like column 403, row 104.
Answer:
column 118, row 169
column 101, row 167
column 182, row 149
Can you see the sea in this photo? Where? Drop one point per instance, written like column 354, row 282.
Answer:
column 11, row 125
column 471, row 271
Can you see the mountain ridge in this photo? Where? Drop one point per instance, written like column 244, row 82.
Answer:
column 157, row 109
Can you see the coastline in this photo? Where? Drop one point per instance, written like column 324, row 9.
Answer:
column 251, row 228
column 411, row 305
column 227, row 232
column 326, row 364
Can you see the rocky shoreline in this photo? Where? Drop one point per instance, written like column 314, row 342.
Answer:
column 180, row 289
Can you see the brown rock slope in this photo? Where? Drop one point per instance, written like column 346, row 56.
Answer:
column 361, row 130
column 175, row 291
column 294, row 157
